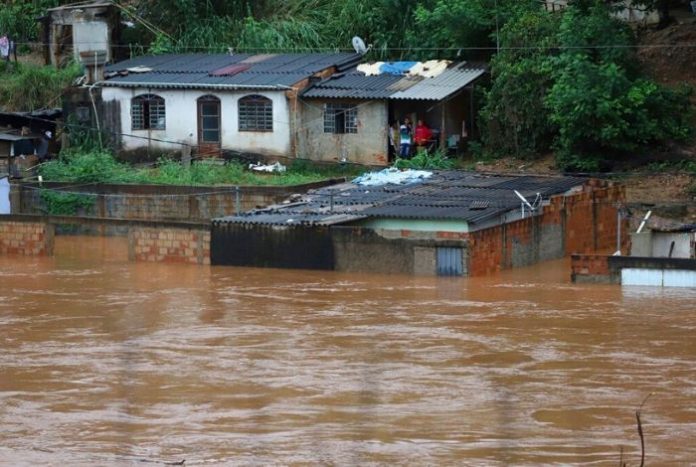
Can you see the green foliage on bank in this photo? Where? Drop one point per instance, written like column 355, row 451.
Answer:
column 101, row 167
column 29, row 87
column 571, row 83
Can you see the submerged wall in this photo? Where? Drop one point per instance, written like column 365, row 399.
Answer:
column 634, row 270
column 271, row 246
column 26, row 238
column 157, row 202
column 578, row 223
column 169, row 245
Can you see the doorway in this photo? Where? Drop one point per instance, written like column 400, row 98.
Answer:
column 208, row 126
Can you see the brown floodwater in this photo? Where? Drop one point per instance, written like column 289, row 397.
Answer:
column 106, row 362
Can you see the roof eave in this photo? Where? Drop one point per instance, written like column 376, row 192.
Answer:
column 227, row 87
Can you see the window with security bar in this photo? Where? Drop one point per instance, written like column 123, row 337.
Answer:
column 148, row 112
column 340, row 118
column 255, row 113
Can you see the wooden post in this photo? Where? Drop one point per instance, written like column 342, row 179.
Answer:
column 443, row 132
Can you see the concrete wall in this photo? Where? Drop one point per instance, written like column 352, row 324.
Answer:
column 393, row 252
column 367, row 146
column 26, row 238
column 157, row 202
column 169, row 245
column 182, row 121
column 90, row 36
column 662, row 243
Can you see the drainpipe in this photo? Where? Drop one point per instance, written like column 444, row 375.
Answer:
column 96, row 114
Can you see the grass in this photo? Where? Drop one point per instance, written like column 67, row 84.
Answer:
column 30, row 87
column 102, row 167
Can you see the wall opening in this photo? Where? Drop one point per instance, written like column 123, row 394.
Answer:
column 449, row 261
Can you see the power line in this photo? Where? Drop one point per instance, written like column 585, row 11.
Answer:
column 238, row 49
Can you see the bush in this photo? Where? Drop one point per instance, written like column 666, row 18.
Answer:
column 29, row 87
column 425, row 160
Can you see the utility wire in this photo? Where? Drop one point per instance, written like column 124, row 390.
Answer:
column 350, row 50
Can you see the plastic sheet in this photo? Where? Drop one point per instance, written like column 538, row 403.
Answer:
column 393, row 176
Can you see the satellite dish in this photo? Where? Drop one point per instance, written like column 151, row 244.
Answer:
column 359, row 45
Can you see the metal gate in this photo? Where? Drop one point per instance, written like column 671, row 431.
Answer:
column 449, row 261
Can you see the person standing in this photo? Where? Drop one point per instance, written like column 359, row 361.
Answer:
column 405, row 137
column 422, row 135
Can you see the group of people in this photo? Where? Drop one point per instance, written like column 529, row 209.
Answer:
column 402, row 137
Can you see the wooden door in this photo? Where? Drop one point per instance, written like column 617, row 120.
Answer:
column 209, row 134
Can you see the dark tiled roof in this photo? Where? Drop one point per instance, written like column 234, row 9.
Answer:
column 356, row 85
column 274, row 71
column 454, row 195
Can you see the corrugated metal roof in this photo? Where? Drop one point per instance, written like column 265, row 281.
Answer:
column 356, row 85
column 441, row 86
column 275, row 71
column 466, row 196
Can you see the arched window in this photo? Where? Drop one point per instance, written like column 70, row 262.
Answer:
column 147, row 112
column 255, row 113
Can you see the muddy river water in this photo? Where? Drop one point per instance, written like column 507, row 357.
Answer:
column 106, row 362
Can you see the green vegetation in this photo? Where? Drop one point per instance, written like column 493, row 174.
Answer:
column 101, row 167
column 26, row 87
column 436, row 160
column 571, row 82
column 66, row 204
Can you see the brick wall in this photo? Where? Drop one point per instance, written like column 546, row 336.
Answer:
column 590, row 268
column 583, row 222
column 26, row 238
column 169, row 245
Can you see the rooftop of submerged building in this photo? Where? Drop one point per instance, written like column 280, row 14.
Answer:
column 474, row 197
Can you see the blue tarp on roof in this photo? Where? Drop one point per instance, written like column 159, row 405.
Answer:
column 396, row 68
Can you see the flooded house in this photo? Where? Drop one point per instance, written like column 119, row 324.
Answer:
column 435, row 223
column 349, row 116
column 216, row 103
column 75, row 28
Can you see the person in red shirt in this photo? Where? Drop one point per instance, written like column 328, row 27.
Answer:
column 422, row 135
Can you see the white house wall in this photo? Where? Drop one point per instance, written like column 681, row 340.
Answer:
column 182, row 121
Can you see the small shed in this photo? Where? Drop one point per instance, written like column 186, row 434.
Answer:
column 79, row 27
column 16, row 153
column 665, row 241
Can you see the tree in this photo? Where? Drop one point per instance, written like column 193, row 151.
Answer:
column 514, row 119
column 602, row 107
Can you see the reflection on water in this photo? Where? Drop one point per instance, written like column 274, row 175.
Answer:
column 106, row 362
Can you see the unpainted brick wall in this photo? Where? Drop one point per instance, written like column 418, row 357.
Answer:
column 579, row 223
column 593, row 265
column 26, row 238
column 169, row 245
